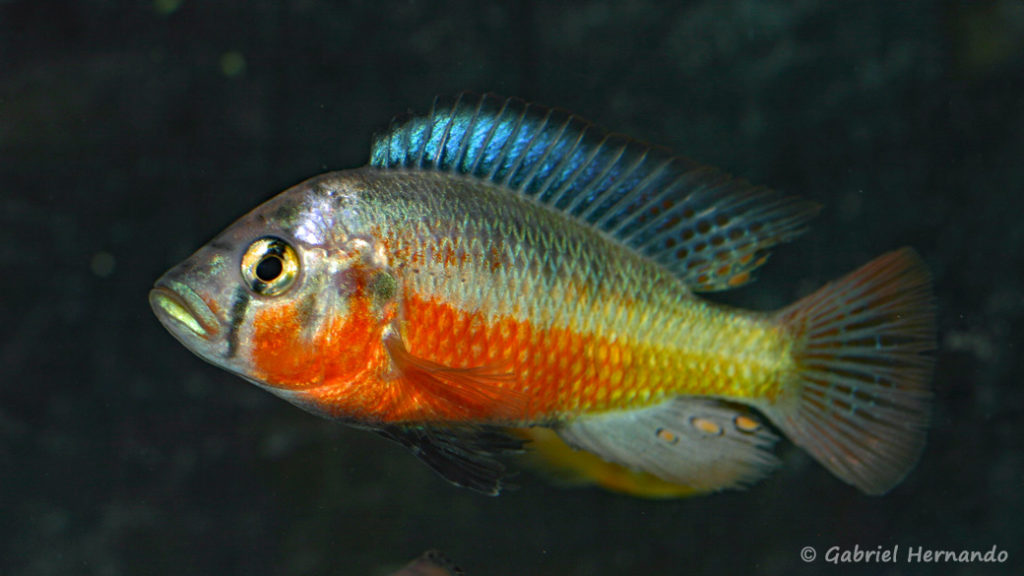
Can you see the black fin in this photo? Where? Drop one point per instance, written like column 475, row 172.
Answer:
column 710, row 229
column 464, row 456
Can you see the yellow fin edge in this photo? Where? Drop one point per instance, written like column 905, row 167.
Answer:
column 549, row 455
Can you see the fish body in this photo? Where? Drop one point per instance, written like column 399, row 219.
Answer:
column 503, row 266
column 603, row 328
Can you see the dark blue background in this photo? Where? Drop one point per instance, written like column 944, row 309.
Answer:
column 127, row 141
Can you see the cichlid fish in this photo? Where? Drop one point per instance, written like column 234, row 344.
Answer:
column 430, row 563
column 500, row 267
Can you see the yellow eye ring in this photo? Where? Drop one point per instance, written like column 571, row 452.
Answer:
column 270, row 266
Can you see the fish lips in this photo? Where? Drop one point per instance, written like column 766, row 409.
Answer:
column 184, row 313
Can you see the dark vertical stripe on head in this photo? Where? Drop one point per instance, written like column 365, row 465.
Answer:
column 239, row 304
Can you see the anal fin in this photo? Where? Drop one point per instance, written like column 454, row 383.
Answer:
column 550, row 456
column 700, row 443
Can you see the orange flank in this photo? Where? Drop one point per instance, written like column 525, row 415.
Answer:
column 563, row 372
column 357, row 364
column 452, row 365
column 284, row 354
column 556, row 367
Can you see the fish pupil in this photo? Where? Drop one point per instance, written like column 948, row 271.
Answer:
column 269, row 268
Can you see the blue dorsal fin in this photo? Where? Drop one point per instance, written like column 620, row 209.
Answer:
column 708, row 228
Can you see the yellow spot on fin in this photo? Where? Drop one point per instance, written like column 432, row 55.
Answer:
column 747, row 424
column 687, row 445
column 666, row 435
column 706, row 427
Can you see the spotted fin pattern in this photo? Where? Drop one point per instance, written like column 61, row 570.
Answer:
column 551, row 457
column 710, row 229
column 699, row 443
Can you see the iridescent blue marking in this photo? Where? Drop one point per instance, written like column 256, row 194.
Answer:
column 641, row 195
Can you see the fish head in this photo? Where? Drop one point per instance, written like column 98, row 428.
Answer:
column 291, row 297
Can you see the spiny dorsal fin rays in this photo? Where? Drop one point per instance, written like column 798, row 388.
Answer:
column 708, row 228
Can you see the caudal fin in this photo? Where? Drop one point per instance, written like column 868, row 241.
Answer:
column 858, row 399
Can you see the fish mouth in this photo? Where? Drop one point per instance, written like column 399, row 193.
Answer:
column 178, row 306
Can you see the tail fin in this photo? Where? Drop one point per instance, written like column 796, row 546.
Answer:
column 858, row 399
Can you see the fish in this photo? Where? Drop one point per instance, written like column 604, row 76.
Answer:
column 430, row 563
column 505, row 277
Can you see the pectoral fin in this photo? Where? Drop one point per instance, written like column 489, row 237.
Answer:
column 700, row 443
column 447, row 394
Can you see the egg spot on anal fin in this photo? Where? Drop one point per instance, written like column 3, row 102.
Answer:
column 684, row 441
column 746, row 424
column 667, row 436
column 706, row 426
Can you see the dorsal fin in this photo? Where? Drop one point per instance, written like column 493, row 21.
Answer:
column 708, row 228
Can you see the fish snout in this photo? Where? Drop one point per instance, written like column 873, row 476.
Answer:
column 182, row 311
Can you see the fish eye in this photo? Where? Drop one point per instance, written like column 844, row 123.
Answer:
column 270, row 266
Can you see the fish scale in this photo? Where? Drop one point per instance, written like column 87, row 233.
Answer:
column 622, row 327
